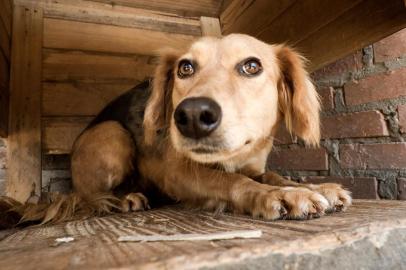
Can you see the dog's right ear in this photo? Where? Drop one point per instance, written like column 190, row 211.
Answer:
column 159, row 106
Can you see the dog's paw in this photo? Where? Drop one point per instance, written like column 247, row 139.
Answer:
column 134, row 202
column 338, row 198
column 289, row 203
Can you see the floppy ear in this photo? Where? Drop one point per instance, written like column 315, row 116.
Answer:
column 298, row 99
column 159, row 106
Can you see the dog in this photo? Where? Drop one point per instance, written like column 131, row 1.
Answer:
column 200, row 133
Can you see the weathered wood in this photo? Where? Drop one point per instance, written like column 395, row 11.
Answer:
column 64, row 34
column 4, row 94
column 95, row 12
column 79, row 99
column 93, row 67
column 4, row 41
column 370, row 235
column 5, row 16
column 185, row 8
column 24, row 143
column 59, row 133
column 210, row 26
column 250, row 17
column 324, row 30
column 360, row 26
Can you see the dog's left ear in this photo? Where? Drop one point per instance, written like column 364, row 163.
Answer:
column 159, row 106
column 298, row 100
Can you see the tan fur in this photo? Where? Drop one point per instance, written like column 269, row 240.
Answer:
column 233, row 177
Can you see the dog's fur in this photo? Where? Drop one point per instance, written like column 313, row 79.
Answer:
column 145, row 155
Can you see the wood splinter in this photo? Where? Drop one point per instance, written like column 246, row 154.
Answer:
column 193, row 236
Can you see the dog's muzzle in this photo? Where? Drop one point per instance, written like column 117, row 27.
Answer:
column 197, row 118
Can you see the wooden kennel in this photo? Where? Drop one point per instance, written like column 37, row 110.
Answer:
column 61, row 61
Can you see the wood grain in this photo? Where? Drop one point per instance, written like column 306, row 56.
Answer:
column 78, row 98
column 184, row 8
column 4, row 94
column 326, row 243
column 59, row 133
column 210, row 26
column 24, row 143
column 92, row 67
column 73, row 35
column 360, row 26
column 5, row 16
column 4, row 41
column 101, row 13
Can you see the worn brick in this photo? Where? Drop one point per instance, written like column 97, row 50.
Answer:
column 283, row 136
column 401, row 188
column 327, row 98
column 391, row 47
column 402, row 118
column 354, row 125
column 373, row 156
column 375, row 88
column 306, row 159
column 360, row 187
column 349, row 63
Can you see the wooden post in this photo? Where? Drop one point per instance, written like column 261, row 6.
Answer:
column 24, row 144
column 210, row 26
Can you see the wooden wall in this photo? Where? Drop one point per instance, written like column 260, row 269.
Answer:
column 5, row 42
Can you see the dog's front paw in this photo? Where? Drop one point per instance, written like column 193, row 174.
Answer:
column 289, row 203
column 338, row 198
column 134, row 202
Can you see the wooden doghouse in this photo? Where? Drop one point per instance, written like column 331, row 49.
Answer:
column 61, row 61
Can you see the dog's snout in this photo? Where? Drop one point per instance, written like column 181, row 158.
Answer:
column 197, row 117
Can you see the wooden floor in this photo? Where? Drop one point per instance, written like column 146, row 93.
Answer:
column 370, row 235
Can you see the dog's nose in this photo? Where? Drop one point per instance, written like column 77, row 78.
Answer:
column 197, row 117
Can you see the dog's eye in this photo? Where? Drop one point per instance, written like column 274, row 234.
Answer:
column 250, row 67
column 185, row 69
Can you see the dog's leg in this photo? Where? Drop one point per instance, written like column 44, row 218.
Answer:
column 242, row 194
column 339, row 199
column 102, row 158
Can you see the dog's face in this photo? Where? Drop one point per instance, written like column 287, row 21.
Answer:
column 226, row 95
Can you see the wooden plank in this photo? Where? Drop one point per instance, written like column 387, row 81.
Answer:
column 94, row 67
column 79, row 99
column 360, row 26
column 94, row 12
column 24, row 142
column 184, row 8
column 372, row 232
column 5, row 16
column 210, row 26
column 4, row 42
column 250, row 17
column 4, row 95
column 59, row 133
column 314, row 15
column 106, row 38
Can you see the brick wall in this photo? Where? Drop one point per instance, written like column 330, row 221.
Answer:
column 364, row 129
column 363, row 125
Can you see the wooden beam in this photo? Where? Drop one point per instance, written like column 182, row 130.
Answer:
column 95, row 12
column 63, row 34
column 210, row 26
column 4, row 95
column 324, row 30
column 24, row 143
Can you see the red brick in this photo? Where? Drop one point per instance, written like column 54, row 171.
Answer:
column 391, row 47
column 283, row 136
column 305, row 159
column 401, row 188
column 402, row 118
column 373, row 156
column 351, row 62
column 375, row 88
column 327, row 98
column 354, row 125
column 360, row 187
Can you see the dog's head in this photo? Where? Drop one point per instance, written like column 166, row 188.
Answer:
column 223, row 96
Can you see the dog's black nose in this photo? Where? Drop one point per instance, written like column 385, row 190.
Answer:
column 197, row 117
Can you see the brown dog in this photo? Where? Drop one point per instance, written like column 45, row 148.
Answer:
column 204, row 136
